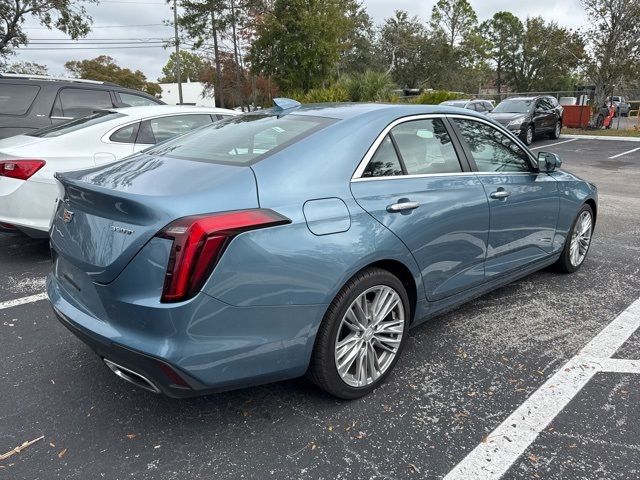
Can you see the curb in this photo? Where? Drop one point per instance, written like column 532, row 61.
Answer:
column 603, row 137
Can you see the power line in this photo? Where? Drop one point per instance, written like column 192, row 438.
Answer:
column 106, row 47
column 108, row 26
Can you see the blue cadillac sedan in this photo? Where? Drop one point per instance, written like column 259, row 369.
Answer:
column 303, row 240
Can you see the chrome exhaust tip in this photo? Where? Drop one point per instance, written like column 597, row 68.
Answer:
column 132, row 377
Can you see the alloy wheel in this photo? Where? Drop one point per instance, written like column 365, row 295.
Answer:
column 580, row 239
column 529, row 135
column 558, row 128
column 369, row 336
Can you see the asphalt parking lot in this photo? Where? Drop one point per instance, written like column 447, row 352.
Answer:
column 461, row 397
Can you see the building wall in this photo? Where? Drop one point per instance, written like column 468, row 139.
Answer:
column 191, row 94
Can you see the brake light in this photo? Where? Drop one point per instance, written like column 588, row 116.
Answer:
column 20, row 169
column 198, row 243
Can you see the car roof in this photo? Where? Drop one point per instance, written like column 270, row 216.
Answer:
column 344, row 111
column 152, row 110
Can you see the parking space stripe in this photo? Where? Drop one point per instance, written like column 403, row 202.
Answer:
column 618, row 365
column 554, row 144
column 502, row 447
column 625, row 153
column 22, row 301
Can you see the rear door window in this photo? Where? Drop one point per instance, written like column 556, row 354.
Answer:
column 158, row 130
column 17, row 99
column 79, row 102
column 126, row 134
column 385, row 162
column 135, row 100
column 426, row 148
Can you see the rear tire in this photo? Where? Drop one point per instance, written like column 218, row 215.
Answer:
column 356, row 349
column 557, row 129
column 578, row 241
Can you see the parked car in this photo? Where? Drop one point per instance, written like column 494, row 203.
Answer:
column 530, row 117
column 31, row 102
column 303, row 240
column 622, row 105
column 482, row 106
column 28, row 190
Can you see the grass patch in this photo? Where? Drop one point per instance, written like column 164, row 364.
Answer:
column 602, row 132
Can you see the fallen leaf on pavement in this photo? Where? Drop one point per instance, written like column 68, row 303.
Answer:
column 19, row 448
column 411, row 466
column 361, row 435
column 62, row 453
column 131, row 436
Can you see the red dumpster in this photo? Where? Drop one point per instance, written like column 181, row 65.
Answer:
column 576, row 116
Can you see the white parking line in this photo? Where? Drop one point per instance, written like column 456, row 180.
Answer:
column 492, row 458
column 554, row 144
column 625, row 153
column 22, row 301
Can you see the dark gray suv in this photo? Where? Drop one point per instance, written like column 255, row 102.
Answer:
column 529, row 117
column 28, row 103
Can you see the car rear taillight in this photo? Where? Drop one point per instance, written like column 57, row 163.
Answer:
column 198, row 243
column 20, row 169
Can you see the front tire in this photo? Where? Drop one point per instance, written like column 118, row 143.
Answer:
column 529, row 135
column 362, row 335
column 578, row 242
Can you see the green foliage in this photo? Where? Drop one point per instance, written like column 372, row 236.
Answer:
column 104, row 68
column 435, row 97
column 29, row 68
column 454, row 18
column 332, row 94
column 192, row 67
column 68, row 16
column 299, row 42
column 369, row 86
column 503, row 33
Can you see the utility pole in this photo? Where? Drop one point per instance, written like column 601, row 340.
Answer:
column 177, row 42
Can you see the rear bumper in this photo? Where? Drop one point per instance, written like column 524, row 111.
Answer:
column 210, row 345
column 28, row 205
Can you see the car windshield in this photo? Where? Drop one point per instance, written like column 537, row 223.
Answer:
column 455, row 103
column 241, row 140
column 514, row 106
column 74, row 125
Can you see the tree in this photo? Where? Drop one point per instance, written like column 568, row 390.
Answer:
column 104, row 68
column 300, row 42
column 455, row 18
column 359, row 53
column 68, row 16
column 614, row 50
column 504, row 33
column 405, row 44
column 192, row 67
column 29, row 68
column 546, row 59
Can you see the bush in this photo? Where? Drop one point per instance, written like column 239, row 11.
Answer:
column 332, row 94
column 435, row 97
column 369, row 86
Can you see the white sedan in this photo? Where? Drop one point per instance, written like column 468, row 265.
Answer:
column 28, row 189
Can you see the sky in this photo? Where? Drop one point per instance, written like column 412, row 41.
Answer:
column 141, row 23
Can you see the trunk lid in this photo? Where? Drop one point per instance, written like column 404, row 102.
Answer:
column 109, row 213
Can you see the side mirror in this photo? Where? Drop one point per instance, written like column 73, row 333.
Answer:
column 548, row 162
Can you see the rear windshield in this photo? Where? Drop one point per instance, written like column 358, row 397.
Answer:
column 514, row 106
column 77, row 124
column 241, row 140
column 16, row 99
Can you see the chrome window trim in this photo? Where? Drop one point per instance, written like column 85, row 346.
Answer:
column 357, row 175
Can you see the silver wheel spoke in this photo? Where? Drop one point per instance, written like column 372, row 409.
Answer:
column 580, row 239
column 369, row 336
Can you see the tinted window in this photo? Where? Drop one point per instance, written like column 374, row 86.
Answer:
column 242, row 139
column 16, row 99
column 73, row 125
column 135, row 100
column 545, row 104
column 125, row 134
column 160, row 129
column 384, row 162
column 492, row 150
column 514, row 106
column 425, row 147
column 78, row 102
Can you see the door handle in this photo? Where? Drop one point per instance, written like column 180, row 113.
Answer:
column 500, row 194
column 403, row 206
